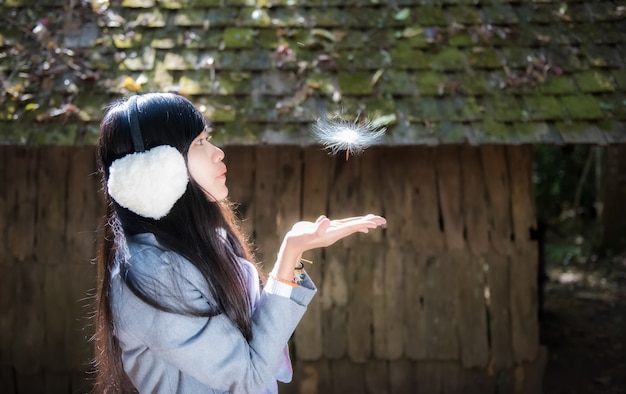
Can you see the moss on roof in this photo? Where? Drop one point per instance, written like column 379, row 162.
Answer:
column 434, row 71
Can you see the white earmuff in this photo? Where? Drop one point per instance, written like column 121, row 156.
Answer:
column 147, row 182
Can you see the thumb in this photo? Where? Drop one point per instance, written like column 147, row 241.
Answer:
column 322, row 225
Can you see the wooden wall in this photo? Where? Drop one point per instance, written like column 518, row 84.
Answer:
column 49, row 210
column 443, row 300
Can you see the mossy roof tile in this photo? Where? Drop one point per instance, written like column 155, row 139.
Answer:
column 438, row 71
column 581, row 132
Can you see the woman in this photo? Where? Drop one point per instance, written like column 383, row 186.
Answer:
column 181, row 305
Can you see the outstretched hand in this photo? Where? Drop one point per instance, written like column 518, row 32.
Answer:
column 324, row 232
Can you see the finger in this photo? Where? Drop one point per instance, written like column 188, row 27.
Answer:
column 339, row 232
column 347, row 220
column 322, row 225
column 319, row 219
column 369, row 217
column 372, row 220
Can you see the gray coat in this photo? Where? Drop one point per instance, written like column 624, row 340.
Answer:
column 172, row 353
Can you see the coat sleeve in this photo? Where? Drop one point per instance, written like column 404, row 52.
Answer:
column 211, row 349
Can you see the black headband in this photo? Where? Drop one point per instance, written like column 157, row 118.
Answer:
column 133, row 121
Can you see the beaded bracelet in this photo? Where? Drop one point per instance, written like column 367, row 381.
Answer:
column 285, row 281
column 299, row 273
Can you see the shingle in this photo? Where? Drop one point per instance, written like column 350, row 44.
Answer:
column 357, row 83
column 464, row 15
column 491, row 131
column 447, row 59
column 542, row 108
column 582, row 106
column 395, row 82
column 484, row 57
column 533, row 132
column 579, row 132
column 191, row 17
column 504, row 108
column 614, row 131
column 430, row 16
column 238, row 37
column 430, row 83
column 499, row 14
column 221, row 17
column 406, row 57
column 594, row 81
column 602, row 11
column 415, row 109
column 558, row 84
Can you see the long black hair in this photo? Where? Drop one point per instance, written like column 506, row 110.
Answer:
column 203, row 231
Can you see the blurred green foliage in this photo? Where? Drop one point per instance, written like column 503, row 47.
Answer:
column 560, row 174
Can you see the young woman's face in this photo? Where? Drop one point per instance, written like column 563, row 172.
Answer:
column 206, row 167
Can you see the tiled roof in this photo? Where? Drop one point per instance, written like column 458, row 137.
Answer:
column 433, row 71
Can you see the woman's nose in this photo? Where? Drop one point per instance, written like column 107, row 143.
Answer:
column 219, row 154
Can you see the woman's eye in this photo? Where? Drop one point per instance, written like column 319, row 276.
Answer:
column 208, row 138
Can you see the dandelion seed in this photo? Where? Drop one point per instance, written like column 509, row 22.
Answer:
column 341, row 135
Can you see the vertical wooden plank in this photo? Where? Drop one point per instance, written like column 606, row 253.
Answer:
column 499, row 203
column 433, row 326
column 265, row 206
column 505, row 381
column 376, row 376
column 530, row 376
column 344, row 193
column 308, row 335
column 474, row 200
column 57, row 382
column 498, row 303
column 522, row 194
column 372, row 194
column 401, row 376
column 30, row 383
column 277, row 197
column 450, row 191
column 27, row 340
column 414, row 307
column 241, row 164
column 421, row 175
column 428, row 379
column 397, row 202
column 288, row 190
column 84, row 212
column 82, row 382
column 7, row 380
column 452, row 378
column 344, row 200
column 472, row 311
column 478, row 381
column 334, row 300
column 7, row 281
column 309, row 378
column 21, row 200
column 389, row 325
column 359, row 276
column 50, row 254
column 347, row 377
column 523, row 293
